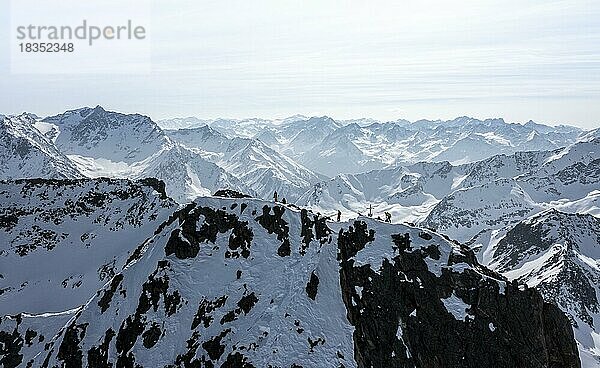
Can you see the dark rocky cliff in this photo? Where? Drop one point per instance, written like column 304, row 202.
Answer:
column 401, row 320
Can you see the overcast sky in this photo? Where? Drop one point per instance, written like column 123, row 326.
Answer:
column 391, row 59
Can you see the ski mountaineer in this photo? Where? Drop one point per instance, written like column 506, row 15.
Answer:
column 388, row 217
column 275, row 196
column 370, row 210
column 339, row 216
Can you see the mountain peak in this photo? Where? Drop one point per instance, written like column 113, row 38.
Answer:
column 113, row 136
column 28, row 116
column 326, row 120
column 22, row 123
column 351, row 126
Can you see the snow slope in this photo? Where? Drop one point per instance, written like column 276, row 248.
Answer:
column 26, row 152
column 60, row 241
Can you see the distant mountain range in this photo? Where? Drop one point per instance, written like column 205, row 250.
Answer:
column 332, row 147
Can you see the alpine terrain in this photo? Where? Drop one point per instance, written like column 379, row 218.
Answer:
column 248, row 283
column 297, row 242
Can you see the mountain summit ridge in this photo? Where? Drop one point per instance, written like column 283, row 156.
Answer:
column 246, row 283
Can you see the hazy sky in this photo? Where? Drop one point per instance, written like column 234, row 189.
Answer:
column 391, row 59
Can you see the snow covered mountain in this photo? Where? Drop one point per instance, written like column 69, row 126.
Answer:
column 465, row 213
column 558, row 254
column 569, row 173
column 182, row 123
column 192, row 162
column 188, row 175
column 60, row 241
column 26, row 152
column 562, row 179
column 258, row 166
column 247, row 283
column 261, row 156
column 251, row 127
column 338, row 152
column 102, row 143
column 396, row 190
column 107, row 135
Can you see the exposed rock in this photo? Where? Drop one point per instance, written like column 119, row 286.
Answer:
column 312, row 285
column 69, row 351
column 407, row 316
column 274, row 223
column 229, row 193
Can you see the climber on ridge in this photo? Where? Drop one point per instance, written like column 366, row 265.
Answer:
column 275, row 196
column 339, row 216
column 388, row 217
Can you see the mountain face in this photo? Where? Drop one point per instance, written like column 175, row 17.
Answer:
column 26, row 152
column 102, row 143
column 466, row 212
column 306, row 134
column 188, row 175
column 531, row 182
column 568, row 173
column 260, row 167
column 247, row 283
column 557, row 253
column 338, row 152
column 107, row 135
column 63, row 240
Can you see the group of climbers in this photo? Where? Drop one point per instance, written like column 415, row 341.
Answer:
column 388, row 216
column 275, row 198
